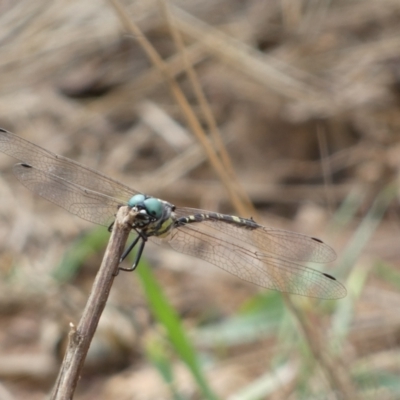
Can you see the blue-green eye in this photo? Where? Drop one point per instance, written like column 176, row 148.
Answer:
column 136, row 199
column 154, row 207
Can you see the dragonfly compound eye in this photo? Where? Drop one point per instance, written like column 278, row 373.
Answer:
column 154, row 207
column 136, row 200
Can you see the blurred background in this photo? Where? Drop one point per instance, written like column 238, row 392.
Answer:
column 305, row 95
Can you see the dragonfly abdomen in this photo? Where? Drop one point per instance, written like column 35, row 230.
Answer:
column 229, row 219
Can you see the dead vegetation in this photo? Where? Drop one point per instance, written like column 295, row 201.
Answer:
column 306, row 96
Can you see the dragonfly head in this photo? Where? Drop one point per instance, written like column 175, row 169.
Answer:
column 150, row 209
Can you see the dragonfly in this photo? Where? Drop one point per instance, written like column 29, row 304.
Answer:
column 268, row 257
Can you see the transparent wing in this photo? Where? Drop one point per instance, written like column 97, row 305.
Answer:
column 265, row 240
column 63, row 167
column 85, row 203
column 265, row 264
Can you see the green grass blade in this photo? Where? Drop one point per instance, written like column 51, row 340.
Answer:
column 169, row 319
column 157, row 353
column 91, row 243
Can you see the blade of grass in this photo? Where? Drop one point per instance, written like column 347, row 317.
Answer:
column 169, row 319
column 87, row 245
column 345, row 309
column 205, row 107
column 187, row 111
column 367, row 227
column 157, row 353
column 260, row 317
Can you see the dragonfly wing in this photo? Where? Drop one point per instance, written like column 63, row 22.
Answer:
column 285, row 244
column 211, row 242
column 62, row 167
column 87, row 204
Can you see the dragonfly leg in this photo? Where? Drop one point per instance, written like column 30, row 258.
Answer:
column 130, row 248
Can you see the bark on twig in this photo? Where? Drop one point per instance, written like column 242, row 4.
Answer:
column 81, row 336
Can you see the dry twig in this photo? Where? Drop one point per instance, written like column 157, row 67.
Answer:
column 81, row 336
